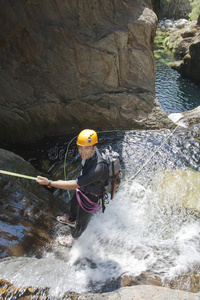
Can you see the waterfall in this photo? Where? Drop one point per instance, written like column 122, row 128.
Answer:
column 140, row 230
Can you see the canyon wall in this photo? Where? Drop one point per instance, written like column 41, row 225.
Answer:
column 68, row 65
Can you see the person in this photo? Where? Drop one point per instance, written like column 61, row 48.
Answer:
column 89, row 186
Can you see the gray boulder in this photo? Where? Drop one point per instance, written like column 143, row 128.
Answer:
column 75, row 64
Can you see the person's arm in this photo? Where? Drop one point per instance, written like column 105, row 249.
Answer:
column 60, row 184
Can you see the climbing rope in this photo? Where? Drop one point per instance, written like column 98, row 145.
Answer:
column 131, row 178
column 17, row 175
column 150, row 158
column 89, row 206
column 105, row 131
column 108, row 131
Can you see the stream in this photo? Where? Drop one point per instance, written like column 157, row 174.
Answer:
column 138, row 232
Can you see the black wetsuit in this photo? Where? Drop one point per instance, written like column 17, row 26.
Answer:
column 92, row 181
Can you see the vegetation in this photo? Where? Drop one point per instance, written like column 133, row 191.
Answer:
column 195, row 10
column 161, row 51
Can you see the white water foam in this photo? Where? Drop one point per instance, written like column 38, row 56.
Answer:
column 176, row 118
column 136, row 233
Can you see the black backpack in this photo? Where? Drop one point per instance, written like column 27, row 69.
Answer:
column 115, row 175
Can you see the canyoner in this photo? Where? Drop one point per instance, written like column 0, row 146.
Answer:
column 100, row 175
column 99, row 180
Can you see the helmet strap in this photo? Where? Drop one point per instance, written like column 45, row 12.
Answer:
column 93, row 151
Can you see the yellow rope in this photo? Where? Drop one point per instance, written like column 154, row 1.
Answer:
column 17, row 175
column 106, row 131
column 34, row 178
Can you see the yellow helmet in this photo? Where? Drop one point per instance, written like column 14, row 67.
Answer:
column 87, row 137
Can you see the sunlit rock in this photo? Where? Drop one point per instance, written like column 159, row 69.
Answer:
column 185, row 43
column 134, row 292
column 187, row 118
column 189, row 281
column 179, row 188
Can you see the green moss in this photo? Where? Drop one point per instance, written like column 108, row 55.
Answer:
column 161, row 47
column 193, row 16
column 166, row 41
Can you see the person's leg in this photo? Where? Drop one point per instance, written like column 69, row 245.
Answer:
column 71, row 218
column 82, row 222
column 83, row 217
column 74, row 208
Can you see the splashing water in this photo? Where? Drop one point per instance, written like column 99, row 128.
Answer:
column 135, row 234
column 138, row 232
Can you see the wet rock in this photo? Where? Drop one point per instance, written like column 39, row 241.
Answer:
column 76, row 64
column 188, row 282
column 128, row 281
column 153, row 280
column 136, row 292
column 7, row 290
column 146, row 278
column 187, row 118
column 27, row 210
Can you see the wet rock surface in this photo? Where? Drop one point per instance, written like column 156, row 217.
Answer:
column 137, row 292
column 27, row 210
column 27, row 217
column 187, row 118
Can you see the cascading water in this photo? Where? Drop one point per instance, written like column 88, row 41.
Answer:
column 150, row 226
column 141, row 229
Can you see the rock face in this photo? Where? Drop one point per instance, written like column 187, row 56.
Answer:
column 27, row 210
column 185, row 43
column 72, row 64
column 190, row 66
column 175, row 9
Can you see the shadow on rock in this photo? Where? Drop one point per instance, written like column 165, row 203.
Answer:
column 27, row 210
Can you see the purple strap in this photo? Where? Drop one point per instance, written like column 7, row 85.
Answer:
column 92, row 206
